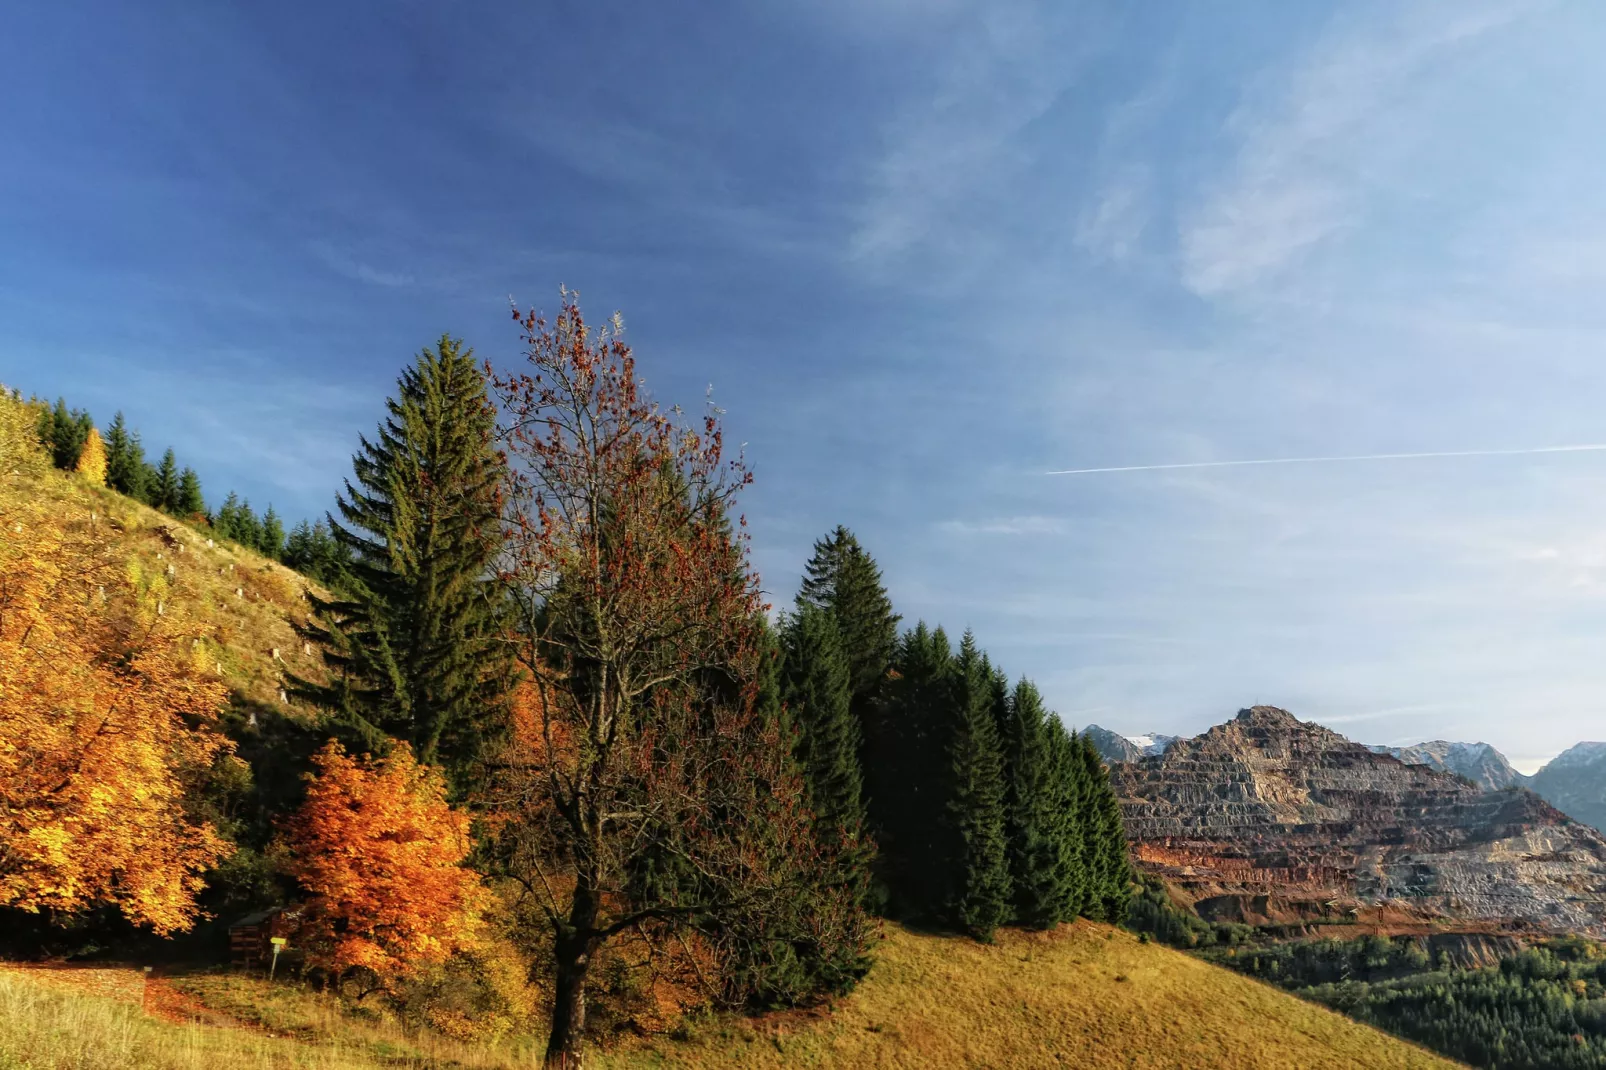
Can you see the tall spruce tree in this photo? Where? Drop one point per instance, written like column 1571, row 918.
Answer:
column 226, row 522
column 164, row 491
column 248, row 527
column 1067, row 786
column 978, row 863
column 820, row 943
column 844, row 580
column 416, row 648
column 125, row 460
column 270, row 541
column 906, row 776
column 1105, row 859
column 815, row 689
column 1035, row 820
column 187, row 501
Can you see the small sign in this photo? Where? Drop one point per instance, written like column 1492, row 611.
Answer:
column 277, row 941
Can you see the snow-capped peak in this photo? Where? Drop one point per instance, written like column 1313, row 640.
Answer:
column 1151, row 743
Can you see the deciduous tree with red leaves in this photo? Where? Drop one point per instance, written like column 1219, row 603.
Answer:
column 644, row 787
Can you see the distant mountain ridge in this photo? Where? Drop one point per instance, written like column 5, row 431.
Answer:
column 1574, row 782
column 1478, row 762
column 1269, row 809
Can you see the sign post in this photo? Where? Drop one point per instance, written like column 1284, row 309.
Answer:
column 278, row 943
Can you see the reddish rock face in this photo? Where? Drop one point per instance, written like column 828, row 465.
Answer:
column 1267, row 805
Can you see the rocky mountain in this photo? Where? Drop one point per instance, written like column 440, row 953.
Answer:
column 1478, row 762
column 1269, row 808
column 1575, row 783
column 1114, row 747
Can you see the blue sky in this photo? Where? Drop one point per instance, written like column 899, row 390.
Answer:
column 924, row 252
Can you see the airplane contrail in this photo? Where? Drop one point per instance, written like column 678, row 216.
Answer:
column 1328, row 460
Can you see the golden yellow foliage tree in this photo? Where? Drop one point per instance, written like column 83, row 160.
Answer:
column 92, row 461
column 21, row 452
column 378, row 849
column 102, row 715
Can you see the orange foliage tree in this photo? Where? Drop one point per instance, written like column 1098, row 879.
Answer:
column 379, row 851
column 103, row 715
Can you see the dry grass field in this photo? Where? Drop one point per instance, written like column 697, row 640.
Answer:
column 1087, row 996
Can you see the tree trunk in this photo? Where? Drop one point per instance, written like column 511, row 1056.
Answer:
column 572, row 949
column 568, row 1014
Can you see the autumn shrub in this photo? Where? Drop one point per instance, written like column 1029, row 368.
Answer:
column 654, row 980
column 480, row 994
column 378, row 851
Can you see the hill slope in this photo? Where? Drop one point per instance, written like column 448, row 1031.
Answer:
column 1086, row 996
column 248, row 602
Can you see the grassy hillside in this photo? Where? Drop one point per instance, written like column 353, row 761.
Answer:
column 247, row 601
column 1087, row 996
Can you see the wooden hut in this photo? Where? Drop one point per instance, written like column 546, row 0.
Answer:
column 250, row 938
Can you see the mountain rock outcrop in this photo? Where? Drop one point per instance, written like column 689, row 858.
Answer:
column 1113, row 747
column 1269, row 807
column 1478, row 762
column 1575, row 783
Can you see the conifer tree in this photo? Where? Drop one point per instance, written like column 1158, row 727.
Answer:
column 65, row 433
column 270, row 542
column 147, row 482
column 1104, row 846
column 1035, row 823
column 815, row 690
column 905, row 773
column 187, row 500
column 164, row 492
column 313, row 552
column 819, row 943
column 844, row 580
column 226, row 523
column 416, row 648
column 1067, row 786
column 247, row 527
column 978, row 868
column 125, row 460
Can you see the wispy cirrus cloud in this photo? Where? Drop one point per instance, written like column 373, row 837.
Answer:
column 951, row 147
column 1006, row 525
column 342, row 262
column 1311, row 138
